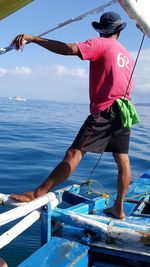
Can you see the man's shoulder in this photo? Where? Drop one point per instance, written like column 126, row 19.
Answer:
column 96, row 39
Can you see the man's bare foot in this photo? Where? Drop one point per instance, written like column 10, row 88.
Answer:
column 28, row 196
column 115, row 213
column 25, row 197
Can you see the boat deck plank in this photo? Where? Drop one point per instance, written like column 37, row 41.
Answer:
column 59, row 252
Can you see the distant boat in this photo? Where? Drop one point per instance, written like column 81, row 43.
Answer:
column 18, row 98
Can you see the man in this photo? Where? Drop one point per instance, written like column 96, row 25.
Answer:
column 110, row 72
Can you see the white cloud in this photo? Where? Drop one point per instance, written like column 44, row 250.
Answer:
column 21, row 70
column 15, row 71
column 3, row 72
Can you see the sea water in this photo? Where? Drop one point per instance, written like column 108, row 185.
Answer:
column 34, row 136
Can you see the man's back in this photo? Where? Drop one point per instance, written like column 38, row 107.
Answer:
column 110, row 70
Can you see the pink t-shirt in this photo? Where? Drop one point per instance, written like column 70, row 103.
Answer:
column 110, row 71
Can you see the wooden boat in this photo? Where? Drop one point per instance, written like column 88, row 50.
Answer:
column 75, row 231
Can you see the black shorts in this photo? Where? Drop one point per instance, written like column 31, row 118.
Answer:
column 103, row 131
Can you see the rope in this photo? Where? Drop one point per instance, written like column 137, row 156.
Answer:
column 137, row 57
column 89, row 181
column 137, row 201
column 106, row 194
column 139, row 195
column 69, row 21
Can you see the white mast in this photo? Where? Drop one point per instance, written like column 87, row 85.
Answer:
column 139, row 11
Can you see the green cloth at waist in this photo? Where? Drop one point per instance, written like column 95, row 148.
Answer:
column 128, row 113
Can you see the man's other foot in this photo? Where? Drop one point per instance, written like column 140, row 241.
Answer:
column 115, row 213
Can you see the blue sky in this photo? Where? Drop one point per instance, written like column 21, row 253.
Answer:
column 39, row 74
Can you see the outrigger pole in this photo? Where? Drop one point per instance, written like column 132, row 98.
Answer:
column 69, row 21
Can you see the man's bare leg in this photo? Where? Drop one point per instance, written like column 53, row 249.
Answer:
column 62, row 171
column 124, row 178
